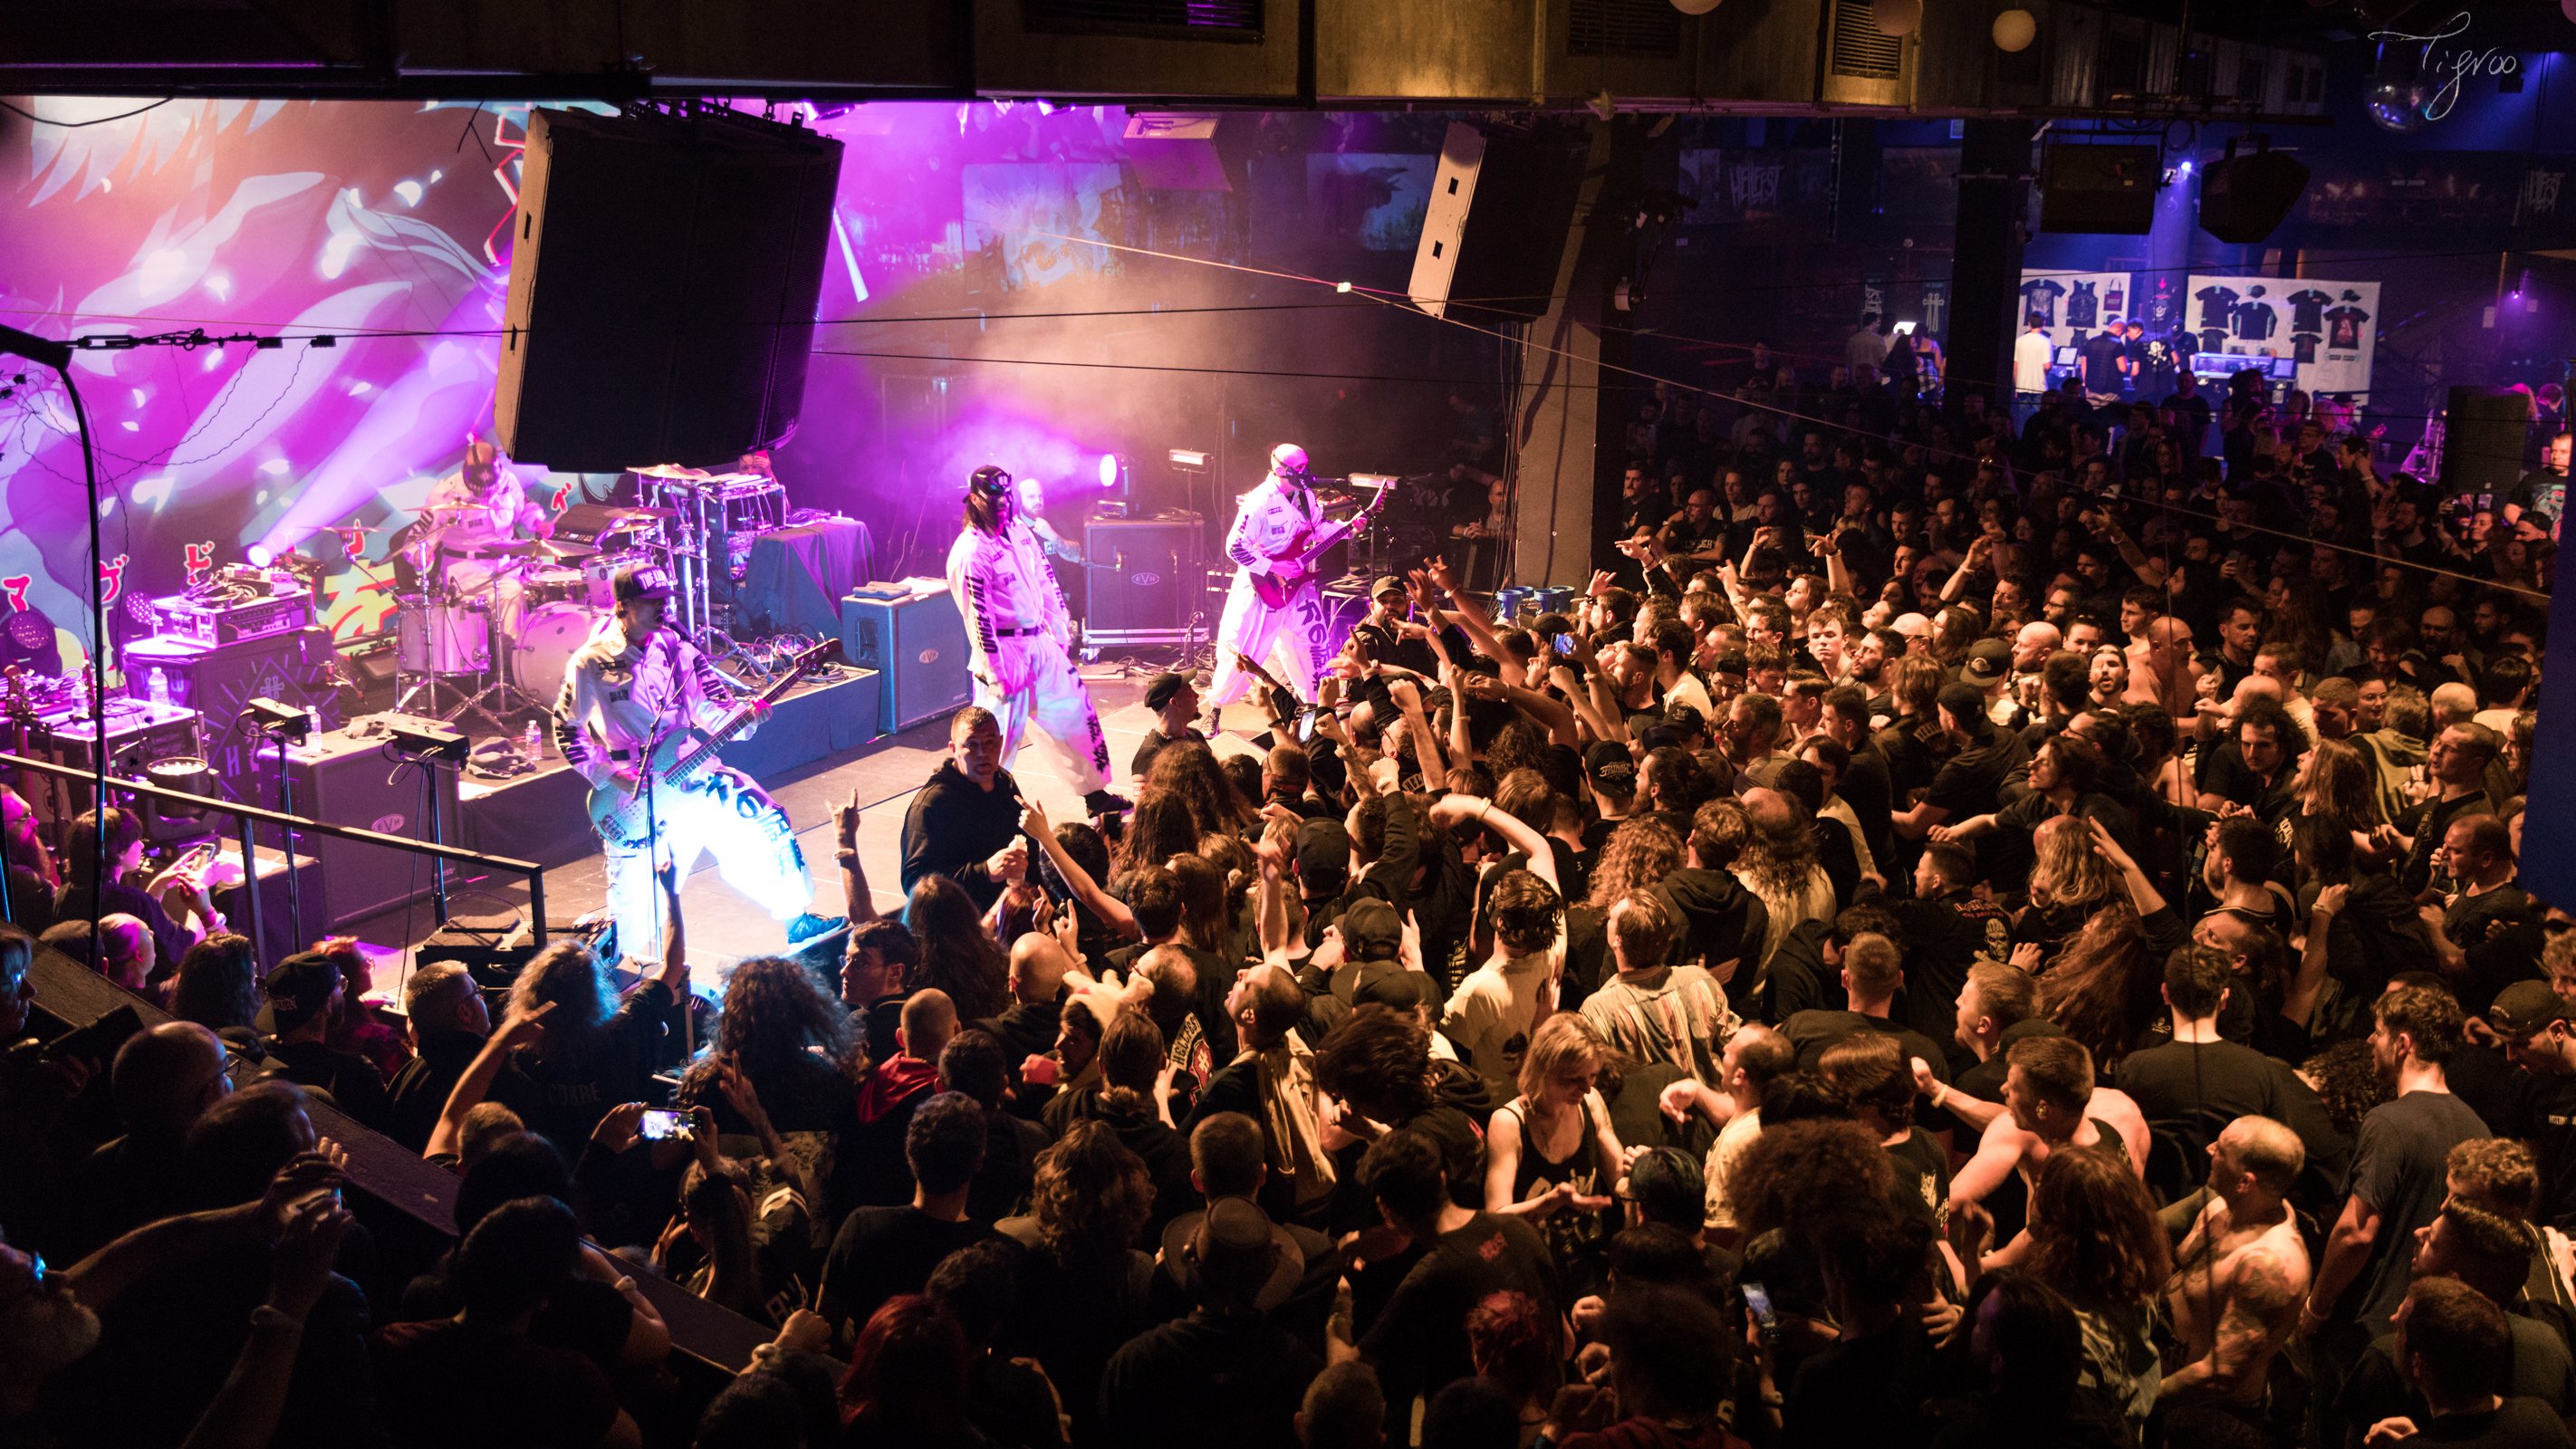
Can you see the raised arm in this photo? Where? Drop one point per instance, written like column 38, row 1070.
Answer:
column 1453, row 810
column 674, row 974
column 2142, row 892
column 1099, row 902
column 515, row 1031
column 857, row 901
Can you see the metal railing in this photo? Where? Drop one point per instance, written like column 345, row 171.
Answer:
column 247, row 817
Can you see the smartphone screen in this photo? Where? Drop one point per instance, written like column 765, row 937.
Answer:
column 660, row 1126
column 1565, row 644
column 1758, row 1300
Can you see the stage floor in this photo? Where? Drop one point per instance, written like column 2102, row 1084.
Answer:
column 881, row 776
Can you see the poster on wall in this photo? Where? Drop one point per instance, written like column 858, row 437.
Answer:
column 2075, row 305
column 2328, row 327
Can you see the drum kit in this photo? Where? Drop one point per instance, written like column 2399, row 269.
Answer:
column 466, row 647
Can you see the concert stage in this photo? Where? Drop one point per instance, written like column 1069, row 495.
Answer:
column 540, row 816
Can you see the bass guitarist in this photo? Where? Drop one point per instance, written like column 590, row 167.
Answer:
column 1274, row 606
column 636, row 684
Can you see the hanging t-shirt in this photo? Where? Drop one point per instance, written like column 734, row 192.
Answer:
column 2083, row 307
column 2343, row 328
column 2305, row 308
column 2255, row 321
column 2160, row 308
column 2040, row 299
column 2217, row 305
column 2155, row 364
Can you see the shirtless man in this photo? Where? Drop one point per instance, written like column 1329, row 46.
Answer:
column 2049, row 1103
column 2166, row 675
column 2242, row 1271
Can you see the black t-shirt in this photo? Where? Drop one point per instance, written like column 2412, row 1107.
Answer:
column 444, row 1383
column 1811, row 1032
column 2518, row 1423
column 1418, row 1341
column 1922, row 1173
column 352, row 1081
column 1204, row 1380
column 2102, row 354
column 2545, row 1117
column 2536, row 1371
column 2397, row 1168
column 2195, row 1089
column 882, row 1252
column 563, row 1094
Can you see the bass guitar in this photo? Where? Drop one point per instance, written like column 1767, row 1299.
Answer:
column 1291, row 570
column 623, row 816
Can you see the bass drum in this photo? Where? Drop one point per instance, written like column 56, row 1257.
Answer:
column 543, row 650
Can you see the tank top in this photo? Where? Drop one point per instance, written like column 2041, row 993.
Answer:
column 1569, row 1231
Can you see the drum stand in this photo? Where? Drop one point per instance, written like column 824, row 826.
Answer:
column 501, row 700
column 429, row 688
column 692, row 535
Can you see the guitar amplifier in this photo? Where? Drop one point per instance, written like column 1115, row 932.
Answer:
column 343, row 780
column 212, row 622
column 917, row 645
column 1143, row 578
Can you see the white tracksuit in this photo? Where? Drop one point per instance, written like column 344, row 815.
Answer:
column 615, row 696
column 1265, row 524
column 1017, row 628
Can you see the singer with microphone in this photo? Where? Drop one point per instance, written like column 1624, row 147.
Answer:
column 632, row 693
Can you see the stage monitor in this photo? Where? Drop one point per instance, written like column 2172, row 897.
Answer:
column 664, row 272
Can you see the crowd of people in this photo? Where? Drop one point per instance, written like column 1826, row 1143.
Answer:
column 1961, row 934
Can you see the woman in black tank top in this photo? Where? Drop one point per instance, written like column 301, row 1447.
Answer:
column 1550, row 1153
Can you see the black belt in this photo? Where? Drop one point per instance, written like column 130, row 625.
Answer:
column 477, row 555
column 1019, row 633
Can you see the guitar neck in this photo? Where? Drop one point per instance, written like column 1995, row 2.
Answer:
column 696, row 760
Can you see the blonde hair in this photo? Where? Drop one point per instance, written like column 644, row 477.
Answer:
column 2069, row 872
column 1564, row 1038
column 2341, row 786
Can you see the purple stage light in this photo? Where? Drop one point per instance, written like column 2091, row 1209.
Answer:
column 1108, row 470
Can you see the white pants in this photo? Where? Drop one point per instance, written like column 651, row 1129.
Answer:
column 1293, row 633
column 1057, row 702
column 753, row 843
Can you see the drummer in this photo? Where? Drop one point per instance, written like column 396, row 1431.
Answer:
column 483, row 508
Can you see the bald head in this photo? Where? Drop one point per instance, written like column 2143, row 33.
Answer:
column 2264, row 1149
column 1769, row 809
column 2453, row 703
column 165, row 1077
column 1038, row 964
column 2169, row 633
column 2255, row 687
column 127, row 943
column 929, row 1022
column 1267, row 1004
column 2034, row 643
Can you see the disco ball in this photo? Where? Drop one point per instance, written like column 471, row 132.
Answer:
column 1702, row 7
column 2015, row 29
column 2397, row 106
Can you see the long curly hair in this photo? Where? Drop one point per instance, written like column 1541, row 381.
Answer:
column 1093, row 1194
column 1164, row 825
column 1188, row 768
column 1637, row 854
column 2093, row 1231
column 567, row 975
column 218, row 985
column 1207, row 922
column 2102, row 989
column 1781, row 855
column 2070, row 873
column 774, row 1013
column 2341, row 786
column 956, row 955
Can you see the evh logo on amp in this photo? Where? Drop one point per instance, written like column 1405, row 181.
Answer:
column 929, row 656
column 1144, row 581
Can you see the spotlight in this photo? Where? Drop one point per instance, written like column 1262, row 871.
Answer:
column 1188, row 458
column 1341, row 286
column 2185, row 168
column 260, row 555
column 1110, row 468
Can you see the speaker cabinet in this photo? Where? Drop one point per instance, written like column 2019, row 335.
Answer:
column 2108, row 189
column 663, row 278
column 343, row 781
column 1496, row 227
column 1143, row 578
column 216, row 680
column 917, row 645
column 2483, row 432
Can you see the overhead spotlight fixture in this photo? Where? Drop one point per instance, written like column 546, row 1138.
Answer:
column 1109, row 470
column 1188, row 458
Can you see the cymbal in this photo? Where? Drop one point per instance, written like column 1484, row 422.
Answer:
column 624, row 514
column 564, row 548
column 672, row 471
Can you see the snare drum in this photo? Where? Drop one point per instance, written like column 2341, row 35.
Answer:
column 542, row 652
column 599, row 575
column 547, row 586
column 444, row 637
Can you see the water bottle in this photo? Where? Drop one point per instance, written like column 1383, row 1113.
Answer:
column 312, row 721
column 156, row 686
column 532, row 744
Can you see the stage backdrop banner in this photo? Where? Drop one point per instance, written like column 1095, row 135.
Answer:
column 2075, row 304
column 2330, row 327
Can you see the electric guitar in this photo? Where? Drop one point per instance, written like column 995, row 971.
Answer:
column 1293, row 569
column 623, row 815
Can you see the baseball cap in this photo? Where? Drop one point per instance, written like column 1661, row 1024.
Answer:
column 2526, row 1007
column 299, row 987
column 1610, row 769
column 1384, row 585
column 1323, row 854
column 1371, row 931
column 1381, row 983
column 1964, row 701
column 1988, row 661
column 1165, row 685
column 642, row 581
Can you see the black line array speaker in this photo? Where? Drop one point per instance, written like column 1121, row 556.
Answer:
column 1495, row 231
column 2242, row 198
column 2099, row 189
column 2482, row 437
column 343, row 781
column 663, row 278
column 917, row 645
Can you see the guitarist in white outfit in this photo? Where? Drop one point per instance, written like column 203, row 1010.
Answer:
column 636, row 683
column 1268, row 525
column 1017, row 628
